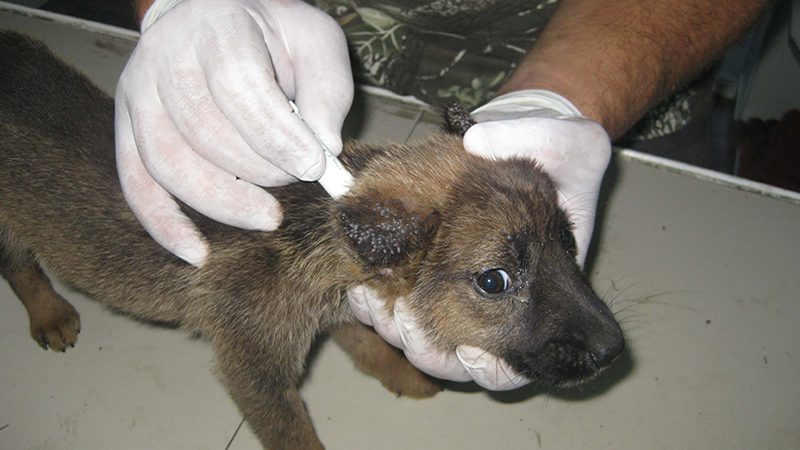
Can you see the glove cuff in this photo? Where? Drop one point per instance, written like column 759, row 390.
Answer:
column 156, row 10
column 529, row 102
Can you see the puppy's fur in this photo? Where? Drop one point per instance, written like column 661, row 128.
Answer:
column 479, row 248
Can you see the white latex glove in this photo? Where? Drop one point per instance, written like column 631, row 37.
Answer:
column 546, row 127
column 574, row 151
column 202, row 112
column 465, row 364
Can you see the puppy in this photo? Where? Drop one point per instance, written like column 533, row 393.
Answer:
column 479, row 248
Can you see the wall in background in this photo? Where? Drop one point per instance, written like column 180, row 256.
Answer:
column 775, row 83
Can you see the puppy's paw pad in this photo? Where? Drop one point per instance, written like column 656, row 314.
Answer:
column 413, row 384
column 56, row 327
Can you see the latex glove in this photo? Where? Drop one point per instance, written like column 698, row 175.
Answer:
column 401, row 330
column 202, row 112
column 546, row 127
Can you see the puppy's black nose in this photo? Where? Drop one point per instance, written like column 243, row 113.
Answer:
column 605, row 351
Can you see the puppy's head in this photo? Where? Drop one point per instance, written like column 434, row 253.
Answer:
column 484, row 256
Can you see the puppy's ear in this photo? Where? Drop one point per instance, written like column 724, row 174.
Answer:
column 384, row 232
column 457, row 119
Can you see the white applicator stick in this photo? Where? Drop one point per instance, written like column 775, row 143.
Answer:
column 336, row 179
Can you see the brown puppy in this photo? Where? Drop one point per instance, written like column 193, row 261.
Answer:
column 479, row 248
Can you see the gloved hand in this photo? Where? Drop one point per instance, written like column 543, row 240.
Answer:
column 202, row 112
column 573, row 150
column 465, row 364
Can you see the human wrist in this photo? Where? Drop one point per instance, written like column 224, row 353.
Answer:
column 526, row 103
column 583, row 97
column 140, row 8
column 590, row 93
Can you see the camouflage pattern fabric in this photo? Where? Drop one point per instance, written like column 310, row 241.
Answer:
column 444, row 50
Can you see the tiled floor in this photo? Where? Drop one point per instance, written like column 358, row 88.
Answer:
column 702, row 271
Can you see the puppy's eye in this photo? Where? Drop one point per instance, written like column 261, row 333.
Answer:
column 493, row 281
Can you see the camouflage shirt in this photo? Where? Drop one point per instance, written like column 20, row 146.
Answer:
column 444, row 50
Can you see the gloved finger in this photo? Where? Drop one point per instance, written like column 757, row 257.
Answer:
column 421, row 353
column 382, row 320
column 489, row 371
column 198, row 183
column 323, row 78
column 151, row 204
column 582, row 143
column 186, row 98
column 242, row 83
column 357, row 297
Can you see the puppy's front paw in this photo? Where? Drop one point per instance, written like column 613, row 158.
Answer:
column 406, row 380
column 55, row 323
column 373, row 356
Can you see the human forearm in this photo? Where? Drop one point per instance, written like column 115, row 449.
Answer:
column 140, row 7
column 614, row 59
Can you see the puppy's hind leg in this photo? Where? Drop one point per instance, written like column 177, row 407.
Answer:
column 375, row 357
column 54, row 323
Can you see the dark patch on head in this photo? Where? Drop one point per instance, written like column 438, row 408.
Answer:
column 520, row 244
column 457, row 119
column 383, row 232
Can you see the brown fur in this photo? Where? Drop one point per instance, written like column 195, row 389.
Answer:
column 427, row 221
